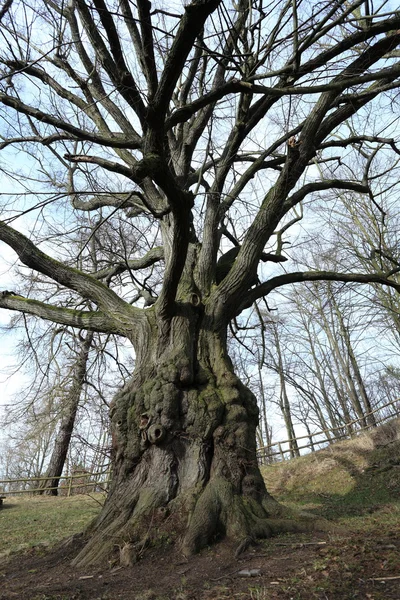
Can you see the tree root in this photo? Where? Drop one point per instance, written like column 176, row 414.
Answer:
column 220, row 510
column 149, row 518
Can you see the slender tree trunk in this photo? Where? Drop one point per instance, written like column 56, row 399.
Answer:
column 321, row 380
column 69, row 410
column 369, row 416
column 344, row 368
column 310, row 437
column 284, row 401
column 344, row 331
column 266, row 430
column 339, row 386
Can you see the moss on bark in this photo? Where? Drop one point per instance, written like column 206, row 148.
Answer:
column 185, row 465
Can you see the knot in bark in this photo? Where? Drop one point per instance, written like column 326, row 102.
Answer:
column 156, row 433
column 144, row 421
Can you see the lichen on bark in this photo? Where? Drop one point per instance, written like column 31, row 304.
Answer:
column 184, row 463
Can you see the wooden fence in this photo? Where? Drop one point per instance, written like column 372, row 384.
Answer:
column 84, row 481
column 284, row 449
column 79, row 483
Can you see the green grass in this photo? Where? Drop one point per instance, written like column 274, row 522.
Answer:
column 30, row 521
column 349, row 480
column 356, row 484
column 352, row 482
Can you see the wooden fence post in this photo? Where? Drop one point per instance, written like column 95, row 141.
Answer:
column 69, row 486
column 280, row 450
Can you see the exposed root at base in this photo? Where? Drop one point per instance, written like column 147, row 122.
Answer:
column 220, row 511
column 248, row 541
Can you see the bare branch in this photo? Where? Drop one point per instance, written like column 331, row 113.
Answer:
column 319, row 186
column 116, row 69
column 152, row 256
column 86, row 285
column 89, row 320
column 115, row 140
column 46, row 141
column 5, row 8
column 245, row 87
column 298, row 277
column 149, row 60
column 190, row 27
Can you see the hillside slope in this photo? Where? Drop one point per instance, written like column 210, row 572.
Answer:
column 345, row 477
column 354, row 484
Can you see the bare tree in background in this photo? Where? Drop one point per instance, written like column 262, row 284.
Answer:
column 203, row 125
column 68, row 416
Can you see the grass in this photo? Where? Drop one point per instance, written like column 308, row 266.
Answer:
column 31, row 521
column 356, row 484
column 346, row 480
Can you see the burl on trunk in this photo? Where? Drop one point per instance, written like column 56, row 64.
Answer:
column 184, row 449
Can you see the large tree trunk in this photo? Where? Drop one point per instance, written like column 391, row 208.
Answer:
column 184, row 437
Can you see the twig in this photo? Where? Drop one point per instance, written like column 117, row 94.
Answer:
column 287, row 557
column 300, row 544
column 227, row 575
column 384, row 578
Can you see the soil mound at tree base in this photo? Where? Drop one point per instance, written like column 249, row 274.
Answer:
column 290, row 566
column 362, row 563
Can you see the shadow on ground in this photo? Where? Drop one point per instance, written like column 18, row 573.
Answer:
column 346, row 479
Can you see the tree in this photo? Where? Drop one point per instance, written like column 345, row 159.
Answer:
column 201, row 125
column 60, row 415
column 69, row 412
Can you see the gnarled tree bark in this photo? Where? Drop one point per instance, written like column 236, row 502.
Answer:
column 184, row 447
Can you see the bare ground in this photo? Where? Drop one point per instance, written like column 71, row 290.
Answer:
column 321, row 566
column 356, row 486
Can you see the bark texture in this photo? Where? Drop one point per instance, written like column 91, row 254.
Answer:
column 184, row 450
column 69, row 411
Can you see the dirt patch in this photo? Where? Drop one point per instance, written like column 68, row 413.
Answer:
column 288, row 567
column 361, row 562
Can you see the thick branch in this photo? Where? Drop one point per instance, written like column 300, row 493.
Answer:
column 150, row 69
column 319, row 186
column 115, row 140
column 89, row 320
column 109, row 165
column 93, row 81
column 350, row 41
column 235, row 285
column 190, row 27
column 60, row 90
column 358, row 140
column 234, row 86
column 46, row 141
column 301, row 276
column 118, row 200
column 117, row 71
column 5, row 8
column 87, row 286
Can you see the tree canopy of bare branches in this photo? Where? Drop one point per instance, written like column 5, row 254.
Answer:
column 180, row 132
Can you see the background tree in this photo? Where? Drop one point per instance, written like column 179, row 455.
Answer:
column 60, row 412
column 68, row 417
column 203, row 126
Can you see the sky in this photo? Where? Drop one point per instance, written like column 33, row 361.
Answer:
column 9, row 385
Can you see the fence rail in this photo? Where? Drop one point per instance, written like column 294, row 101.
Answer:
column 266, row 454
column 68, row 484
